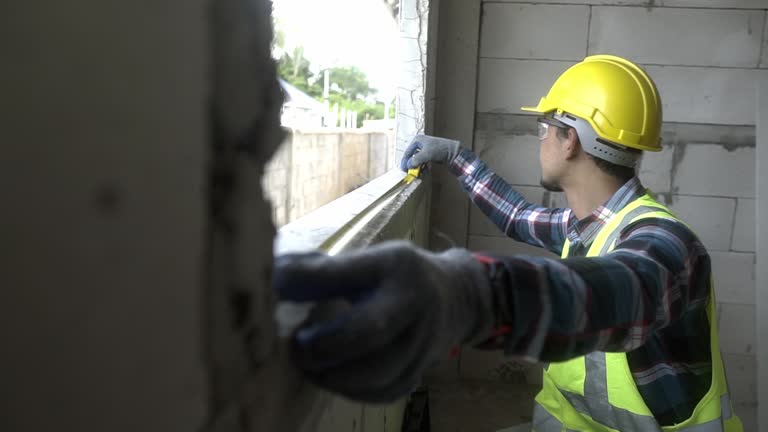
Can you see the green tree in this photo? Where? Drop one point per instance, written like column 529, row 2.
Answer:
column 352, row 82
column 352, row 91
column 349, row 88
column 296, row 70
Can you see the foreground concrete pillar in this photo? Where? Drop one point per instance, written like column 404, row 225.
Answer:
column 136, row 243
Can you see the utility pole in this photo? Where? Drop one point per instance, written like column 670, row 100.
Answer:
column 326, row 84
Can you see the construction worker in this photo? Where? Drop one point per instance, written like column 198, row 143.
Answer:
column 625, row 320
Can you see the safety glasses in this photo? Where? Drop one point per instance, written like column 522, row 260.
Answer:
column 544, row 123
column 543, row 131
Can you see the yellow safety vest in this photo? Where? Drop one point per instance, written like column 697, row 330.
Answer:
column 597, row 392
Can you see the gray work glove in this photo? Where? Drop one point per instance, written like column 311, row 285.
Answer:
column 424, row 148
column 396, row 310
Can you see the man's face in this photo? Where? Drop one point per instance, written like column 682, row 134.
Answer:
column 550, row 156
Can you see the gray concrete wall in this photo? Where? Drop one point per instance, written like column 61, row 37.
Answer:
column 705, row 57
column 314, row 168
column 104, row 150
column 761, row 277
column 455, row 82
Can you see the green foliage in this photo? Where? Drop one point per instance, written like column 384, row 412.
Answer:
column 349, row 86
column 296, row 70
column 352, row 82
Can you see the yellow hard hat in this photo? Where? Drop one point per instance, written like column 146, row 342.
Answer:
column 616, row 97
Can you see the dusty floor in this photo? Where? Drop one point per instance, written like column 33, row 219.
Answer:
column 463, row 405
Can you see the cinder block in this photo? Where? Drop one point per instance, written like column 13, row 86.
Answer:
column 674, row 36
column 505, row 246
column 581, row 2
column 510, row 31
column 741, row 372
column 711, row 169
column 506, row 85
column 494, row 365
column 380, row 150
column 514, row 157
column 734, row 277
column 707, row 95
column 732, row 136
column 730, row 4
column 688, row 94
column 714, row 4
column 506, row 123
column 744, row 228
column 656, row 169
column 737, row 329
column 710, row 218
column 764, row 58
column 479, row 222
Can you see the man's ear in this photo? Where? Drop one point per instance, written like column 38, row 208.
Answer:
column 572, row 144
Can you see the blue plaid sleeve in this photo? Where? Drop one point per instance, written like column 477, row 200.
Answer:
column 559, row 309
column 517, row 218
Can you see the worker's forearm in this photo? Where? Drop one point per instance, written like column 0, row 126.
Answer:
column 505, row 207
column 555, row 310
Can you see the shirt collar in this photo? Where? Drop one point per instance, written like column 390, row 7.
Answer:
column 585, row 230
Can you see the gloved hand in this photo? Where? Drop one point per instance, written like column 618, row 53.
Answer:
column 425, row 148
column 398, row 310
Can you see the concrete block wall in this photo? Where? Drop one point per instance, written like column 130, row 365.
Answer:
column 314, row 168
column 705, row 56
column 354, row 161
column 380, row 151
column 314, row 171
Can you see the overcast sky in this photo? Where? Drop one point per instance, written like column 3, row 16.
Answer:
column 358, row 33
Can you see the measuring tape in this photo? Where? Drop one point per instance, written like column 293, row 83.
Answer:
column 413, row 174
column 289, row 315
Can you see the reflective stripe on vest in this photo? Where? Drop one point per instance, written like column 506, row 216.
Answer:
column 577, row 391
column 546, row 422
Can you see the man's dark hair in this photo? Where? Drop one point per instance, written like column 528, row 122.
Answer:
column 618, row 171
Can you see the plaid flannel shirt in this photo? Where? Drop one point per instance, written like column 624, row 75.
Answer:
column 647, row 297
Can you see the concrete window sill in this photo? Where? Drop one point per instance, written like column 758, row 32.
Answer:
column 358, row 218
column 385, row 208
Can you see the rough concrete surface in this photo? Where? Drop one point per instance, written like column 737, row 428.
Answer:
column 243, row 353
